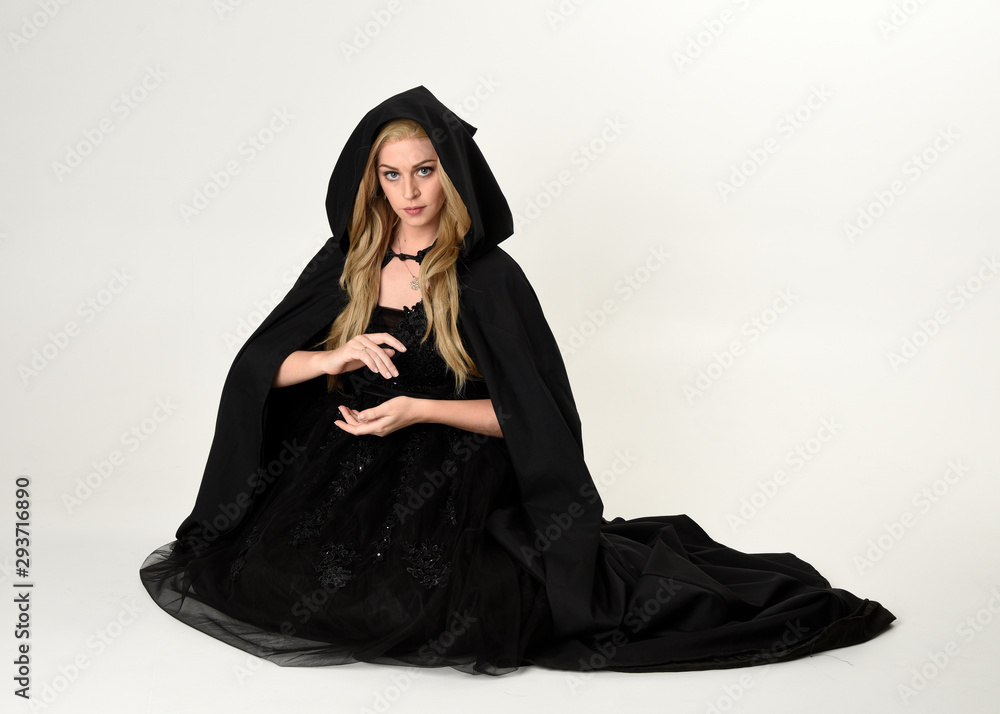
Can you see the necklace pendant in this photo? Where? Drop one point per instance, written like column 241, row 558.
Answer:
column 414, row 284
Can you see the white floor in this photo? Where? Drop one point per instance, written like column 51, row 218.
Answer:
column 100, row 645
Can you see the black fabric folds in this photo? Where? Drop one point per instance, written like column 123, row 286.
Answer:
column 550, row 580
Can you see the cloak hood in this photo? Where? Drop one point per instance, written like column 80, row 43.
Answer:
column 556, row 530
column 464, row 162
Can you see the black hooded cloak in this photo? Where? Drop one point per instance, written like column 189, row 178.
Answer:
column 646, row 594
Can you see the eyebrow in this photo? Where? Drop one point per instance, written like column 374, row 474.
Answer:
column 414, row 165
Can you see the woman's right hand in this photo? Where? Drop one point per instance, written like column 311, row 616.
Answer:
column 364, row 350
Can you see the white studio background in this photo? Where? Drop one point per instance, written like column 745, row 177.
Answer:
column 678, row 170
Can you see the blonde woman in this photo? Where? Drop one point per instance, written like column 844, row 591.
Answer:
column 397, row 472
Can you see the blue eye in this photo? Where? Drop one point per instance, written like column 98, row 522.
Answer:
column 393, row 175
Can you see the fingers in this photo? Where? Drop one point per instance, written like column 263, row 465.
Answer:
column 356, row 422
column 348, row 414
column 387, row 339
column 353, row 416
column 368, row 350
column 351, row 422
column 375, row 357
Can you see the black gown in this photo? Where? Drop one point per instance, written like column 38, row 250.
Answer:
column 370, row 548
column 379, row 549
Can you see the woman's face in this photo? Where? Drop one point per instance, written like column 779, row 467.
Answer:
column 408, row 172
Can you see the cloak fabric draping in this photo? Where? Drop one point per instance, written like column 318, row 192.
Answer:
column 434, row 546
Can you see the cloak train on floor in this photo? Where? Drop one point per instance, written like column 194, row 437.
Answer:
column 434, row 546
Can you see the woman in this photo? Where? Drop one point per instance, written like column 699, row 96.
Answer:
column 397, row 473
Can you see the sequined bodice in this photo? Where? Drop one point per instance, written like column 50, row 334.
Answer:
column 422, row 371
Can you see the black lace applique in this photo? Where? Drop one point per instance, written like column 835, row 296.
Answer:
column 412, row 325
column 408, row 454
column 334, row 567
column 309, row 525
column 427, row 564
column 362, row 457
column 348, row 399
column 237, row 567
column 410, row 497
column 454, row 443
column 421, row 369
column 449, row 506
column 393, row 519
column 350, row 469
column 381, row 544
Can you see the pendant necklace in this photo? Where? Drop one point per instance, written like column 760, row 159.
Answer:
column 414, row 283
column 403, row 257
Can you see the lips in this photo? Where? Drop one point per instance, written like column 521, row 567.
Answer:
column 413, row 210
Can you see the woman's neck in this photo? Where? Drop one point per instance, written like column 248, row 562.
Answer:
column 411, row 240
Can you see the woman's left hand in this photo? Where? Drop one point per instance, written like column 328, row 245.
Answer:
column 382, row 420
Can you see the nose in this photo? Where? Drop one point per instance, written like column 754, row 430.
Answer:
column 410, row 190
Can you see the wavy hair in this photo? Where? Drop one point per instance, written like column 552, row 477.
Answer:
column 370, row 231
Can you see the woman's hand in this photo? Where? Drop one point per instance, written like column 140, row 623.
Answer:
column 364, row 351
column 382, row 420
column 475, row 415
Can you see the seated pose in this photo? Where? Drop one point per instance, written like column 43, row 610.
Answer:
column 397, row 471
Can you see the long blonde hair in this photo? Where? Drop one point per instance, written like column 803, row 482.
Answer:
column 371, row 226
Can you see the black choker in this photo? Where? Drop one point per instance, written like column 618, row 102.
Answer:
column 390, row 254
